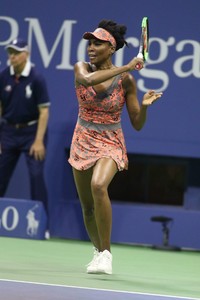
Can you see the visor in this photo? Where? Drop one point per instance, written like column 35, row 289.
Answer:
column 100, row 34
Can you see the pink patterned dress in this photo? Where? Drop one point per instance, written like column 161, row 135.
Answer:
column 98, row 131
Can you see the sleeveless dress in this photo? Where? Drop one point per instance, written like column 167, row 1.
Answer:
column 98, row 132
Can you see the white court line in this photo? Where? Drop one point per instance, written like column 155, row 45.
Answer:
column 95, row 289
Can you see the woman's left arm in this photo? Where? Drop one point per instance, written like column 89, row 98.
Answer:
column 137, row 113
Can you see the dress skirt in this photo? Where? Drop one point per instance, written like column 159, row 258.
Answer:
column 92, row 141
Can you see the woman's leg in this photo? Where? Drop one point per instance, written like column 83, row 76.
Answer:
column 103, row 173
column 83, row 185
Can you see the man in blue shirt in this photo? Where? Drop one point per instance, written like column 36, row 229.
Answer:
column 24, row 111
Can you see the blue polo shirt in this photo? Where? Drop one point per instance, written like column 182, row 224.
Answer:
column 20, row 98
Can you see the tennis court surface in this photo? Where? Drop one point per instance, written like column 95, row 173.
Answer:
column 55, row 270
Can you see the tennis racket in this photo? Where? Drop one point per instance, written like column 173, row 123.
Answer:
column 144, row 43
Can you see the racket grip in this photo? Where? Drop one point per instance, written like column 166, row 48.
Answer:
column 139, row 65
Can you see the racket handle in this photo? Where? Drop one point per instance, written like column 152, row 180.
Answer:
column 139, row 65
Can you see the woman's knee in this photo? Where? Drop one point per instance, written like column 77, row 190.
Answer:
column 98, row 187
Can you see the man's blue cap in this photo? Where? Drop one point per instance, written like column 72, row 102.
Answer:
column 18, row 44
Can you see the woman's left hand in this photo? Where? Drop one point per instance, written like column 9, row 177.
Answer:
column 150, row 97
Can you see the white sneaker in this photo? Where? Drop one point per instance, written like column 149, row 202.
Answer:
column 92, row 266
column 104, row 263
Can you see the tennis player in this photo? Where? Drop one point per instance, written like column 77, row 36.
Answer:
column 98, row 149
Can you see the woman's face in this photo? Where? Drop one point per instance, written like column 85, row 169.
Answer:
column 99, row 52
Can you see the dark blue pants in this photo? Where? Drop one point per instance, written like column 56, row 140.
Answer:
column 14, row 142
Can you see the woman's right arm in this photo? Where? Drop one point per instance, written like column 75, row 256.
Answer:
column 84, row 76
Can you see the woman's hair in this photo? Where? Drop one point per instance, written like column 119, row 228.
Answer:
column 117, row 30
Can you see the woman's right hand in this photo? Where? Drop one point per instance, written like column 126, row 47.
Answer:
column 133, row 63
